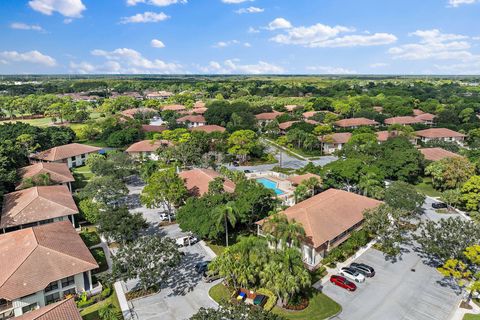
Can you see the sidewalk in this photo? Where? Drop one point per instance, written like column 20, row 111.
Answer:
column 460, row 312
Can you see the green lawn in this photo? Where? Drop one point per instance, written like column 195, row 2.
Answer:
column 470, row 316
column 320, row 307
column 41, row 122
column 426, row 188
column 218, row 249
column 91, row 312
column 82, row 175
column 220, row 293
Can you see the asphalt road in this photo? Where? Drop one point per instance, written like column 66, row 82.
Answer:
column 396, row 292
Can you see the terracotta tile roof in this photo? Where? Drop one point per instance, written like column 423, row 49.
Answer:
column 268, row 115
column 342, row 137
column 64, row 152
column 147, row 146
column 402, row 120
column 425, row 117
column 209, row 128
column 131, row 112
column 355, row 122
column 329, row 214
column 200, row 110
column 383, row 136
column 435, row 154
column 417, row 112
column 153, row 128
column 286, row 125
column 174, row 107
column 34, row 257
column 291, row 107
column 197, row 181
column 439, row 133
column 309, row 114
column 58, row 172
column 192, row 118
column 62, row 310
column 200, row 105
column 36, row 204
column 296, row 180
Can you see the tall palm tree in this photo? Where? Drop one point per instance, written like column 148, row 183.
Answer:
column 224, row 215
column 281, row 230
column 312, row 183
column 293, row 233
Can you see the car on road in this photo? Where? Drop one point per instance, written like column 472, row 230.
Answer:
column 202, row 267
column 247, row 171
column 439, row 205
column 364, row 269
column 164, row 217
column 209, row 276
column 352, row 274
column 343, row 283
column 186, row 241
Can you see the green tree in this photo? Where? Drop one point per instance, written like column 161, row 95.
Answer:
column 164, row 189
column 300, row 193
column 225, row 215
column 41, row 179
column 450, row 173
column 120, row 225
column 150, row 259
column 403, row 196
column 236, row 311
column 109, row 312
column 107, row 190
column 471, row 193
column 242, row 143
column 451, row 197
column 90, row 210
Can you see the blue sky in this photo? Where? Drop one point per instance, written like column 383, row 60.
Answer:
column 240, row 36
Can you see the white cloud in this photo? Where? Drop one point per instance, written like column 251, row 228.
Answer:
column 279, row 23
column 379, row 65
column 247, row 44
column 250, row 10
column 330, row 70
column 232, row 66
column 33, row 56
column 235, row 1
column 158, row 3
column 457, row 3
column 24, row 26
column 67, row 21
column 323, row 36
column 224, row 44
column 435, row 45
column 460, row 68
column 67, row 8
column 157, row 43
column 253, row 30
column 145, row 17
column 125, row 60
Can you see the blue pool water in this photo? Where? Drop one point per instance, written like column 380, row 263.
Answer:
column 267, row 183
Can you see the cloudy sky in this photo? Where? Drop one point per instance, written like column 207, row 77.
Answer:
column 240, row 36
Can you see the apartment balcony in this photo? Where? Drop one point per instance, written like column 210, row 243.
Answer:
column 6, row 310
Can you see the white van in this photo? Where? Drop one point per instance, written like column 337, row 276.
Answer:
column 186, row 241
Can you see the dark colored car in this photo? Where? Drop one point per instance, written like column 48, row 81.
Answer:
column 439, row 205
column 260, row 300
column 364, row 269
column 247, row 171
column 202, row 267
column 210, row 276
column 343, row 283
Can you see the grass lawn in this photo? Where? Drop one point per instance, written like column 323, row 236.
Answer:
column 220, row 293
column 82, row 175
column 470, row 316
column 40, row 122
column 218, row 249
column 99, row 256
column 95, row 143
column 426, row 188
column 320, row 307
column 91, row 312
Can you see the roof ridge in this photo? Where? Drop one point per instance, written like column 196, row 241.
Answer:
column 49, row 200
column 29, row 202
column 64, row 254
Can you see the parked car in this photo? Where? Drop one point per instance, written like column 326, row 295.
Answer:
column 352, row 274
column 364, row 269
column 164, row 217
column 186, row 241
column 247, row 171
column 202, row 267
column 439, row 205
column 209, row 276
column 343, row 283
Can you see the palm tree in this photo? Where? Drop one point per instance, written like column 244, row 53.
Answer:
column 109, row 312
column 368, row 183
column 224, row 215
column 300, row 193
column 280, row 229
column 312, row 183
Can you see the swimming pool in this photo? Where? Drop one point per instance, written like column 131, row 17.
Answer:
column 269, row 184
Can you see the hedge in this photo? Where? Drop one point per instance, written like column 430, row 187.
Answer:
column 272, row 298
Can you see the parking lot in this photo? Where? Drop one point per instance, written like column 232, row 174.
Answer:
column 396, row 292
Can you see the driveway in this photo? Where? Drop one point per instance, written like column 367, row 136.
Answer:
column 396, row 292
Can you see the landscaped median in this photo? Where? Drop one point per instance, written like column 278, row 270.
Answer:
column 319, row 305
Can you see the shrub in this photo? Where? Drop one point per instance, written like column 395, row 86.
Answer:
column 90, row 238
column 348, row 248
column 272, row 298
column 85, row 303
column 106, row 292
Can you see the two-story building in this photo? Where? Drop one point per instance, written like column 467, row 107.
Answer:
column 73, row 154
column 441, row 134
column 36, row 206
column 58, row 173
column 334, row 142
column 147, row 149
column 197, row 181
column 62, row 310
column 42, row 265
column 192, row 121
column 328, row 220
column 352, row 123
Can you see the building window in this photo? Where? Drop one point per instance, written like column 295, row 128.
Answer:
column 52, row 286
column 71, row 291
column 66, row 282
column 51, row 298
column 29, row 308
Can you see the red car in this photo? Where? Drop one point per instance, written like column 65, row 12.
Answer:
column 343, row 282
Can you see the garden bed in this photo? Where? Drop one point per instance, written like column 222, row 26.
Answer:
column 132, row 295
column 319, row 307
column 91, row 312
